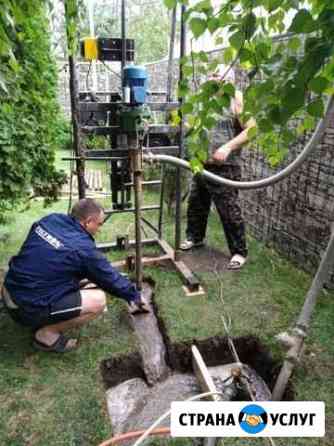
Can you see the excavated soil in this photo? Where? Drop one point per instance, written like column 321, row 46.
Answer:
column 120, row 368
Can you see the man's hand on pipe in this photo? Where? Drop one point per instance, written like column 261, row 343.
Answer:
column 139, row 306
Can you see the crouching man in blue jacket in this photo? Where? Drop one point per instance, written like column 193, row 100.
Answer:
column 42, row 287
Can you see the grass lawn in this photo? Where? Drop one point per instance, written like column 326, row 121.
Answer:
column 59, row 400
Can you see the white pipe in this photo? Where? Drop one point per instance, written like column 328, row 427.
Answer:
column 245, row 185
column 166, row 414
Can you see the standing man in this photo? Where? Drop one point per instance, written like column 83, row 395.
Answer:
column 42, row 287
column 225, row 145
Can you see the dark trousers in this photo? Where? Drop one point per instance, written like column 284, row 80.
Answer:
column 202, row 193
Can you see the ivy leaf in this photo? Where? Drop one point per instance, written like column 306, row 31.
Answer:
column 187, row 108
column 309, row 123
column 224, row 101
column 219, row 41
column 249, row 25
column 277, row 115
column 265, row 87
column 294, row 98
column 213, row 24
column 228, row 55
column 246, row 55
column 265, row 125
column 294, row 43
column 271, row 5
column 319, row 84
column 237, row 40
column 229, row 89
column 303, row 22
column 203, row 6
column 210, row 87
column 196, row 165
column 187, row 70
column 251, row 133
column 183, row 88
column 203, row 57
column 202, row 155
column 198, row 26
column 192, row 120
column 214, row 105
column 170, row 4
column 316, row 108
column 209, row 122
column 262, row 51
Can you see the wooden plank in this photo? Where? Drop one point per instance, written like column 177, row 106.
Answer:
column 163, row 106
column 153, row 207
column 191, row 280
column 113, row 106
column 98, row 106
column 100, row 130
column 163, row 128
column 165, row 150
column 108, row 130
column 107, row 246
column 145, row 261
column 202, row 374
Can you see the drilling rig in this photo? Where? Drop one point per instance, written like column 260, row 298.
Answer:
column 124, row 118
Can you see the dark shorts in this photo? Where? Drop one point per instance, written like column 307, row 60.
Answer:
column 66, row 308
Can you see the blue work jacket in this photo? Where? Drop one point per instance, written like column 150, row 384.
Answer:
column 57, row 253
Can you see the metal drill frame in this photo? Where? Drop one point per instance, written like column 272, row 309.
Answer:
column 115, row 154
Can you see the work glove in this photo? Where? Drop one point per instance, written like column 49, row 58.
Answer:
column 139, row 306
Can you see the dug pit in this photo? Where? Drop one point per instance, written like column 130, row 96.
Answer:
column 142, row 385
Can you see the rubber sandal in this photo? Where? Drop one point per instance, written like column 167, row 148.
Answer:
column 189, row 244
column 60, row 346
column 236, row 262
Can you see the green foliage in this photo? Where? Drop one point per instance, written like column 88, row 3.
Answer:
column 95, row 142
column 72, row 17
column 29, row 114
column 289, row 78
column 63, row 136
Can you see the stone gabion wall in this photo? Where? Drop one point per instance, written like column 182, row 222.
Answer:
column 295, row 215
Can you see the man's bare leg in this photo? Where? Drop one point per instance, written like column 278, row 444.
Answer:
column 93, row 302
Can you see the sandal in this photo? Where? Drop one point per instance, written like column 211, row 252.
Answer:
column 188, row 244
column 236, row 262
column 62, row 345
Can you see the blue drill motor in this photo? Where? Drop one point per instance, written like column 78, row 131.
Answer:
column 135, row 82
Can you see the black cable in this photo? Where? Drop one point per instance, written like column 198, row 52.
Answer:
column 87, row 75
column 112, row 71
